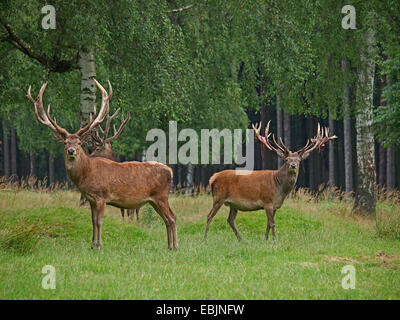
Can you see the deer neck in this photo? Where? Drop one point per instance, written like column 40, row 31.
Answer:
column 109, row 154
column 77, row 168
column 286, row 178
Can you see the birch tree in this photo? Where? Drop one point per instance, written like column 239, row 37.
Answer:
column 366, row 168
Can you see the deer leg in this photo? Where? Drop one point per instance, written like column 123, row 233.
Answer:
column 82, row 201
column 175, row 234
column 132, row 214
column 163, row 210
column 123, row 214
column 173, row 227
column 211, row 215
column 231, row 220
column 271, row 222
column 94, row 224
column 137, row 215
column 273, row 225
column 100, row 213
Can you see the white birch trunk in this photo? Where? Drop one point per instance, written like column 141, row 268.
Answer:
column 348, row 159
column 365, row 196
column 88, row 89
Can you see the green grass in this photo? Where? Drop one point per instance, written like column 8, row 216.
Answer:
column 314, row 241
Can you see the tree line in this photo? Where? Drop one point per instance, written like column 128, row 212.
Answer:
column 210, row 64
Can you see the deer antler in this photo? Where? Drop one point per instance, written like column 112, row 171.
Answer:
column 282, row 151
column 44, row 117
column 103, row 139
column 118, row 132
column 104, row 109
column 108, row 123
column 318, row 142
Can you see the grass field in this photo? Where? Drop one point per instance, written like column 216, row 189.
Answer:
column 315, row 239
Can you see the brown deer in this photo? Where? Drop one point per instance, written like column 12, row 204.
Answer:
column 104, row 149
column 103, row 181
column 264, row 189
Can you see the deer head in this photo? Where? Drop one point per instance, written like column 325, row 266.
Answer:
column 292, row 159
column 72, row 142
column 103, row 144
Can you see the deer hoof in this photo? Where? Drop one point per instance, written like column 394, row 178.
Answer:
column 96, row 245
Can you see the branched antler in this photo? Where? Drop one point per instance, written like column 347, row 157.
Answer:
column 104, row 109
column 59, row 132
column 44, row 117
column 102, row 140
column 318, row 142
column 281, row 151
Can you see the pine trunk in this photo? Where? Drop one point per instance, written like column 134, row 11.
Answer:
column 286, row 130
column 31, row 164
column 263, row 150
column 6, row 149
column 332, row 180
column 390, row 168
column 311, row 169
column 14, row 172
column 189, row 179
column 382, row 166
column 279, row 125
column 51, row 169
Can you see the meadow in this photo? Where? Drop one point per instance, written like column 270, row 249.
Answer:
column 316, row 238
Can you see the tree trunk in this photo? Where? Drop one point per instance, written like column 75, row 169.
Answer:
column 311, row 169
column 51, row 169
column 279, row 125
column 14, row 172
column 6, row 149
column 365, row 196
column 263, row 150
column 348, row 160
column 179, row 183
column 332, row 180
column 382, row 166
column 390, row 168
column 88, row 89
column 189, row 178
column 286, row 130
column 390, row 161
column 381, row 150
column 31, row 164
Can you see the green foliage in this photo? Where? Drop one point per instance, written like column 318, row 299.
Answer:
column 203, row 67
column 388, row 115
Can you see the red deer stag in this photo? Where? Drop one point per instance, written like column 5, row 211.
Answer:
column 103, row 149
column 264, row 189
column 102, row 181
